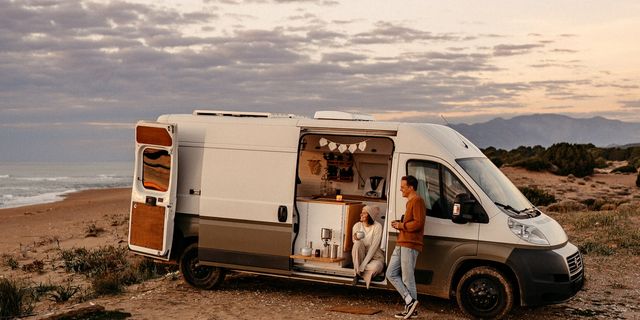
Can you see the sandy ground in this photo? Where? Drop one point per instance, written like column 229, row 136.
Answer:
column 36, row 232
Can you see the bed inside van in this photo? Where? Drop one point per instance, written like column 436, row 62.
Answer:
column 337, row 176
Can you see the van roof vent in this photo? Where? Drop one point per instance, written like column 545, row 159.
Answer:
column 341, row 115
column 243, row 114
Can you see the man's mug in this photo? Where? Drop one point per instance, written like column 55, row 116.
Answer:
column 359, row 235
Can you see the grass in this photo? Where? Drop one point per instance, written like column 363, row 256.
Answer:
column 63, row 293
column 605, row 233
column 110, row 269
column 16, row 299
column 9, row 261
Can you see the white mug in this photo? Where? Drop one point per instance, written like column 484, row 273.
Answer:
column 359, row 235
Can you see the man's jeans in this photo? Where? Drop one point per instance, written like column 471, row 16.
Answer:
column 401, row 271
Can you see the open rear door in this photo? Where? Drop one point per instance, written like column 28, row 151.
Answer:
column 153, row 195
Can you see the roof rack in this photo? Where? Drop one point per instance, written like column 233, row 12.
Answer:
column 243, row 114
column 341, row 115
column 221, row 113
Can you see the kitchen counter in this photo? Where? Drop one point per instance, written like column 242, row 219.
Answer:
column 346, row 199
column 329, row 200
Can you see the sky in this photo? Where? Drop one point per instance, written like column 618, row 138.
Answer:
column 76, row 75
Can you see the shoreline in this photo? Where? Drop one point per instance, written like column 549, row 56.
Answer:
column 63, row 220
column 65, row 196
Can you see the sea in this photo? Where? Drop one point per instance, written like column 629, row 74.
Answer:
column 27, row 183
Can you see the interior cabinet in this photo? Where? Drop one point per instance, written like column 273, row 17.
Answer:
column 339, row 216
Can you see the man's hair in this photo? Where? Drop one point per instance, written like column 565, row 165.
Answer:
column 411, row 181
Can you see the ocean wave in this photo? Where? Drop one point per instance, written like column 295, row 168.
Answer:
column 4, row 176
column 36, row 199
column 42, row 178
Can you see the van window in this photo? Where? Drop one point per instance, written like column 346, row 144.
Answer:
column 433, row 181
column 156, row 169
column 428, row 175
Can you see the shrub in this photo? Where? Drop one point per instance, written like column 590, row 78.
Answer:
column 109, row 283
column 10, row 261
column 533, row 164
column 497, row 161
column 624, row 169
column 15, row 299
column 62, row 293
column 537, row 196
column 93, row 231
column 95, row 262
column 566, row 206
column 569, row 158
column 35, row 266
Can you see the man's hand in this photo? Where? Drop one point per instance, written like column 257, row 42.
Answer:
column 395, row 224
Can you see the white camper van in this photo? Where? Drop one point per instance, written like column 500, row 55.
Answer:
column 279, row 194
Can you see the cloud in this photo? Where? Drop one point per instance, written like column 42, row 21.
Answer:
column 514, row 49
column 87, row 65
column 630, row 104
column 388, row 33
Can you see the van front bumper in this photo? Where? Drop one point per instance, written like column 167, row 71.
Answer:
column 547, row 276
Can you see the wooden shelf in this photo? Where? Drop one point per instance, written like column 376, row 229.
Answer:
column 313, row 258
column 340, row 163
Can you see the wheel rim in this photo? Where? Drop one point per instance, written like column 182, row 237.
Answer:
column 199, row 272
column 483, row 294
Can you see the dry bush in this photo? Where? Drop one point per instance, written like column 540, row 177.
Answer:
column 9, row 261
column 16, row 299
column 93, row 231
column 35, row 266
column 110, row 268
column 567, row 206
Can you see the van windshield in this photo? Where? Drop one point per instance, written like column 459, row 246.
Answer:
column 497, row 186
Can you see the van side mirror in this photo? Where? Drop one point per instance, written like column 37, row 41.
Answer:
column 463, row 209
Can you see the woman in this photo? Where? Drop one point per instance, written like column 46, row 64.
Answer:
column 368, row 258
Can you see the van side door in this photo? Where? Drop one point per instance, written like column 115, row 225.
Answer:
column 153, row 195
column 247, row 196
column 445, row 243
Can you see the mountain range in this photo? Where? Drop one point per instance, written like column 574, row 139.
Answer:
column 547, row 129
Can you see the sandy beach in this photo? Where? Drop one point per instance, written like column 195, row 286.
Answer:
column 40, row 231
column 64, row 222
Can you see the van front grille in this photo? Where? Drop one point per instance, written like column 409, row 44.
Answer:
column 575, row 263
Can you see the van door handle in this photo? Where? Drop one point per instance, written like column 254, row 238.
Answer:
column 282, row 214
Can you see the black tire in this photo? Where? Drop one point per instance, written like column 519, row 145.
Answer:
column 484, row 293
column 197, row 275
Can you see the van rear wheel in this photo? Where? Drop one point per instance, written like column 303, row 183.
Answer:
column 196, row 274
column 484, row 293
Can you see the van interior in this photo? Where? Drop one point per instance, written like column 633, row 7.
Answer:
column 337, row 176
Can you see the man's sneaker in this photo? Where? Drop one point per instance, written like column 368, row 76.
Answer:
column 411, row 307
column 403, row 315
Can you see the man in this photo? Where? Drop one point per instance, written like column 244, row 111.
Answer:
column 400, row 271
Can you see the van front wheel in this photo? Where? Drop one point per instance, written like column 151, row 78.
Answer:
column 197, row 275
column 484, row 293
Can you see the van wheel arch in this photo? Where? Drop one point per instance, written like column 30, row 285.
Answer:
column 501, row 268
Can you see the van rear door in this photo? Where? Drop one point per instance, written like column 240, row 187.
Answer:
column 153, row 195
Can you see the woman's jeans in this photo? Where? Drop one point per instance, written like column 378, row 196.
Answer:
column 400, row 271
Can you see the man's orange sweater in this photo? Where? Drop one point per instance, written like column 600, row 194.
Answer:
column 412, row 227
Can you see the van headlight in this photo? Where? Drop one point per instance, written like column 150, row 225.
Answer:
column 527, row 232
